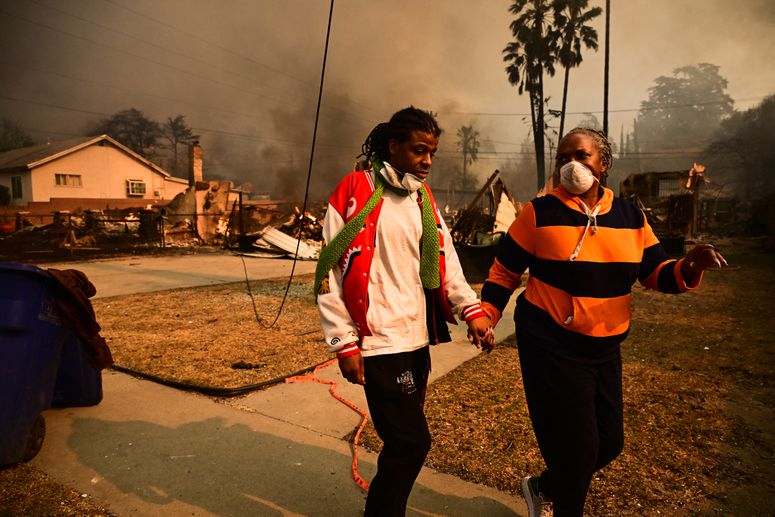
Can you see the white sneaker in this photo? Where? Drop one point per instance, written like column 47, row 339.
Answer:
column 538, row 505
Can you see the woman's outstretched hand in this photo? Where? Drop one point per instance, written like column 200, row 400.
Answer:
column 700, row 258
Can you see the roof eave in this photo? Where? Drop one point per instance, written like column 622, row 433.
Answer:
column 93, row 141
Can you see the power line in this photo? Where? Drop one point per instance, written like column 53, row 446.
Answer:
column 211, row 43
column 230, row 51
column 675, row 106
column 141, row 40
column 253, row 92
column 121, row 88
column 143, row 58
column 49, row 132
column 275, row 100
column 306, row 189
column 258, row 137
column 165, row 49
column 57, row 106
column 219, row 163
column 215, row 162
column 443, row 154
column 200, row 129
column 275, row 70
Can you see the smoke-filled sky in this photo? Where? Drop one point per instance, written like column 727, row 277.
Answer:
column 246, row 72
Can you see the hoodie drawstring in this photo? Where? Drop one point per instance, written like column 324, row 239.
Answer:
column 591, row 219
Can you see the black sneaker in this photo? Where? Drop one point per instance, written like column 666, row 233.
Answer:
column 538, row 505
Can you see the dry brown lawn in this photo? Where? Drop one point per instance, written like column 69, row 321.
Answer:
column 698, row 378
column 212, row 337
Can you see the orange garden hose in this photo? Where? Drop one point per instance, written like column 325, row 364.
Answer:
column 312, row 377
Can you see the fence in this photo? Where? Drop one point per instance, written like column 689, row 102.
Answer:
column 117, row 230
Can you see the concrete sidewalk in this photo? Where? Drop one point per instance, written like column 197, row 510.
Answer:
column 152, row 450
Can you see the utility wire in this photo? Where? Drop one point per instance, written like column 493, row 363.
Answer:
column 200, row 129
column 330, row 146
column 144, row 58
column 143, row 41
column 57, row 106
column 624, row 110
column 256, row 137
column 280, row 72
column 306, row 188
column 446, row 154
column 229, row 51
column 133, row 91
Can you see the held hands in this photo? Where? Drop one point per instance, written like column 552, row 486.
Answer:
column 480, row 334
column 700, row 258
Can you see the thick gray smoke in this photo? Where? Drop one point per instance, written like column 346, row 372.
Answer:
column 246, row 73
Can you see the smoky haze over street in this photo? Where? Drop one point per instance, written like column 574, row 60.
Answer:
column 246, row 73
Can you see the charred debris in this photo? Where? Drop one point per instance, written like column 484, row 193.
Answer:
column 681, row 206
column 209, row 214
column 478, row 227
column 689, row 206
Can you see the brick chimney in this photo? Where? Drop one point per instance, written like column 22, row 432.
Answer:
column 194, row 163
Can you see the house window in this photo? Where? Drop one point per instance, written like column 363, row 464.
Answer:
column 135, row 188
column 16, row 187
column 68, row 180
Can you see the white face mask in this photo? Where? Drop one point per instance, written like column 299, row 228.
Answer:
column 405, row 180
column 576, row 177
column 411, row 182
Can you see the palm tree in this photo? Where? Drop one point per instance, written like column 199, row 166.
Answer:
column 571, row 22
column 468, row 143
column 533, row 51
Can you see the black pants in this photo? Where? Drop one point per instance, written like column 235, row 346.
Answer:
column 395, row 391
column 576, row 412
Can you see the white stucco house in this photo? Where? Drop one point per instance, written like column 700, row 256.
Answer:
column 88, row 169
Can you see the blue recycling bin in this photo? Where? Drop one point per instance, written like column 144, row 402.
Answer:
column 31, row 338
column 78, row 383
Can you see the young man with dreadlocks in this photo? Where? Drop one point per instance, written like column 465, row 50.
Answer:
column 585, row 249
column 387, row 283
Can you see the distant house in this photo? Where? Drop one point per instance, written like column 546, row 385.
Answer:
column 88, row 172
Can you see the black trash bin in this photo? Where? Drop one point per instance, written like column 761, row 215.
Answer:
column 31, row 338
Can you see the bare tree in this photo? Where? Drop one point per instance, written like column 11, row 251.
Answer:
column 177, row 132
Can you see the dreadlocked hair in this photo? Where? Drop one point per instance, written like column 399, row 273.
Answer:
column 400, row 128
column 601, row 142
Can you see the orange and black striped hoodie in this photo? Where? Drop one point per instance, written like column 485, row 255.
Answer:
column 582, row 264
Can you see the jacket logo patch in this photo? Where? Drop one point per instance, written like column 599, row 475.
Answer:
column 348, row 258
column 351, row 205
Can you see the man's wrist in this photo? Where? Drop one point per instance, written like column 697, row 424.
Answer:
column 473, row 312
column 348, row 350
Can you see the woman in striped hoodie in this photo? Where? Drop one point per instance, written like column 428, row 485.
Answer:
column 584, row 249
